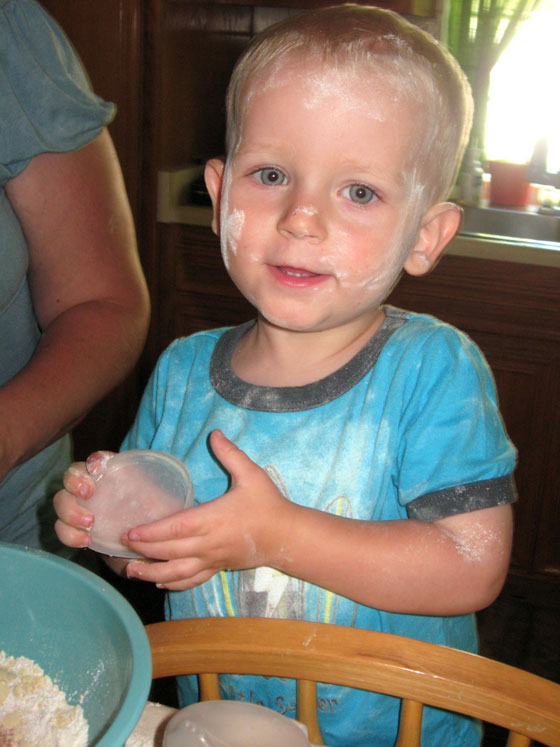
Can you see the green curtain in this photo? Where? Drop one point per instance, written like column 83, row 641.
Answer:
column 477, row 32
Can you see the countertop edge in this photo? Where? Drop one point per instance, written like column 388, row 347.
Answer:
column 505, row 251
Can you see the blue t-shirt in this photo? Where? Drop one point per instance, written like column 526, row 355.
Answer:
column 46, row 105
column 408, row 428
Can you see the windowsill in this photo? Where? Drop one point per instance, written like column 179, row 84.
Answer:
column 524, row 251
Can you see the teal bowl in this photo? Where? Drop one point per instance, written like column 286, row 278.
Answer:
column 82, row 633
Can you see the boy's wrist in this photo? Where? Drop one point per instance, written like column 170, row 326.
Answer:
column 291, row 538
column 280, row 533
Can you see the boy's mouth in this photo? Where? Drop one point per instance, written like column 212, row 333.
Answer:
column 297, row 273
column 296, row 277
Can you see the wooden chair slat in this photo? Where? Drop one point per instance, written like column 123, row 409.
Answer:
column 518, row 740
column 307, row 709
column 209, row 686
column 410, row 724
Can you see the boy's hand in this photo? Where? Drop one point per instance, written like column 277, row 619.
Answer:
column 74, row 521
column 238, row 530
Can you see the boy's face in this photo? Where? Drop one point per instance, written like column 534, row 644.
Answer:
column 315, row 203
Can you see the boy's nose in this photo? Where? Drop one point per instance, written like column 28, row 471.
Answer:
column 302, row 221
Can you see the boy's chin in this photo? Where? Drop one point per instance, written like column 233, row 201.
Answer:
column 290, row 323
column 309, row 326
column 282, row 324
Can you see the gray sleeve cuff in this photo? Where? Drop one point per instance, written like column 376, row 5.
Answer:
column 463, row 498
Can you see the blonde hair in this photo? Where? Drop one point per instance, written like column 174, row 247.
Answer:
column 396, row 51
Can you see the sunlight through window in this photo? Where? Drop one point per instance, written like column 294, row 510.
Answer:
column 524, row 102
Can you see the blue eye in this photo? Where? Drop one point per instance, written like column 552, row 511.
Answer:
column 359, row 193
column 271, row 177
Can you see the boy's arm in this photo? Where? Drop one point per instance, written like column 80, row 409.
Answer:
column 449, row 567
column 452, row 566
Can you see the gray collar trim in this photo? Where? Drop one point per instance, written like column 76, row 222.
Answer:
column 296, row 398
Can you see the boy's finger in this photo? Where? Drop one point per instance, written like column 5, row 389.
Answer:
column 178, row 526
column 70, row 536
column 96, row 463
column 231, row 457
column 166, row 574
column 77, row 481
column 70, row 512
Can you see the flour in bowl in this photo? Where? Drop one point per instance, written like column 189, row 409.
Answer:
column 34, row 711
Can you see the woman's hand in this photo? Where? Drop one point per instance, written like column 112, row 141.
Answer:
column 240, row 529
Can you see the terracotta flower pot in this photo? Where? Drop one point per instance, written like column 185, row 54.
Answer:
column 509, row 185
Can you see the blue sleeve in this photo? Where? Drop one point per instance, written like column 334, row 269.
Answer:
column 46, row 101
column 454, row 453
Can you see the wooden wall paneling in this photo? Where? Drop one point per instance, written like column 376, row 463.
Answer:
column 196, row 313
column 200, row 294
column 502, row 297
column 107, row 35
column 547, row 550
column 200, row 46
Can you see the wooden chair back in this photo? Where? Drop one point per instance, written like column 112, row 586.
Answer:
column 417, row 672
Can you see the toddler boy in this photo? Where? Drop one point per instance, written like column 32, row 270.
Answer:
column 366, row 479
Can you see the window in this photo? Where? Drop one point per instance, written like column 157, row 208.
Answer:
column 524, row 101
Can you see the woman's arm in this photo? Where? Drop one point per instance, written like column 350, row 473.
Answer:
column 88, row 289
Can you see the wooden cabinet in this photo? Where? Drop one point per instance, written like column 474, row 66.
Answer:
column 166, row 64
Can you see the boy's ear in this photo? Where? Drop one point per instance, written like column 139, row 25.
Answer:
column 213, row 176
column 439, row 226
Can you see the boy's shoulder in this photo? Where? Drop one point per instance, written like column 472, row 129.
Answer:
column 421, row 329
column 184, row 352
column 198, row 341
column 424, row 341
column 426, row 351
